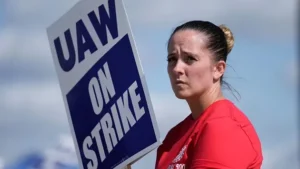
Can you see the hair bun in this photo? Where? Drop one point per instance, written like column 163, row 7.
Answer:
column 229, row 37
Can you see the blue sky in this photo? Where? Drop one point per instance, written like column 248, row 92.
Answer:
column 32, row 113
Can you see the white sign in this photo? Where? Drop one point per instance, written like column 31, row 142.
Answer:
column 103, row 85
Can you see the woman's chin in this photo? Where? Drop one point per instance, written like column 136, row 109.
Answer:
column 182, row 94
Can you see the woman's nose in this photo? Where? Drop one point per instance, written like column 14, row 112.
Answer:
column 178, row 67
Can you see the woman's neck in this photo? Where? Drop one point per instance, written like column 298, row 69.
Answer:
column 199, row 104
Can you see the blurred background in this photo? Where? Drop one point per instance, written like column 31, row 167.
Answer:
column 34, row 131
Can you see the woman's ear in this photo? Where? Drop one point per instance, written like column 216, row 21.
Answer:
column 219, row 70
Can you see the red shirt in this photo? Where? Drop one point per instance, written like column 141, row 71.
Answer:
column 221, row 138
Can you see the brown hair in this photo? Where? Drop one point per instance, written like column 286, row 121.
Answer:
column 229, row 37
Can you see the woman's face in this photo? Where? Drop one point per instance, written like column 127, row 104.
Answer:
column 190, row 65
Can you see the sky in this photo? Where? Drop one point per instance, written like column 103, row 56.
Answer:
column 263, row 69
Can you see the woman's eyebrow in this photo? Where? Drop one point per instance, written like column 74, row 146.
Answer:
column 189, row 53
column 171, row 54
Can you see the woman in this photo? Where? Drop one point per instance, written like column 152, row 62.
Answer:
column 216, row 135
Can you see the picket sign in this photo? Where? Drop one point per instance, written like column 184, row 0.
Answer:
column 103, row 85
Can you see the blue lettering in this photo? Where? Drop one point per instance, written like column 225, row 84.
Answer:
column 105, row 20
column 65, row 64
column 82, row 33
column 84, row 39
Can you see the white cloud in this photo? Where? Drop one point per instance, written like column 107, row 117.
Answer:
column 168, row 110
column 7, row 41
column 263, row 16
column 35, row 13
column 24, row 54
column 64, row 152
column 66, row 143
column 1, row 163
column 282, row 155
column 24, row 44
column 166, row 107
column 162, row 12
column 32, row 99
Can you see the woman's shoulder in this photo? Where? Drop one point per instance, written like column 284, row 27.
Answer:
column 227, row 109
column 228, row 120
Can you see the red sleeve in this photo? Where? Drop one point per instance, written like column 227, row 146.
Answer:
column 162, row 147
column 222, row 145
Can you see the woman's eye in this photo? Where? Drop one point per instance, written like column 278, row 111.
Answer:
column 171, row 59
column 190, row 59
